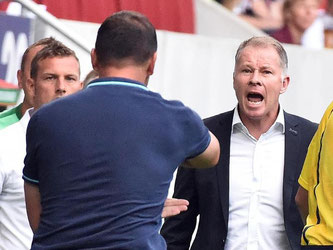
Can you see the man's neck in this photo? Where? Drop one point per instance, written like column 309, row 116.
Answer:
column 257, row 127
column 131, row 72
column 25, row 106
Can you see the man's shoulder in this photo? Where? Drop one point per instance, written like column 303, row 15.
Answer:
column 298, row 120
column 222, row 117
column 306, row 127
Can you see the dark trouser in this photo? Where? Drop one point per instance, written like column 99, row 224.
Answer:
column 316, row 247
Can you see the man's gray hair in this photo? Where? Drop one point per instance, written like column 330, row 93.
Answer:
column 265, row 41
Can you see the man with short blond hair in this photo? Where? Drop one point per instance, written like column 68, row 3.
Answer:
column 247, row 201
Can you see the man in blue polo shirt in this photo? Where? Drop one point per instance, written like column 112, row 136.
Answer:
column 99, row 162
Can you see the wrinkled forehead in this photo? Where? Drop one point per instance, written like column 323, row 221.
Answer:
column 258, row 51
column 266, row 52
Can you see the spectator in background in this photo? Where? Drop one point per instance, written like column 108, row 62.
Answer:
column 263, row 14
column 315, row 194
column 327, row 16
column 13, row 115
column 325, row 22
column 299, row 15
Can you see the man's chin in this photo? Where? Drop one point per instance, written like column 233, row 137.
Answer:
column 254, row 114
column 253, row 111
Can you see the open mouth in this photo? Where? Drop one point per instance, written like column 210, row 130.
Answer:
column 255, row 98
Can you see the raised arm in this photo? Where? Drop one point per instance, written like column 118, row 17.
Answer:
column 208, row 158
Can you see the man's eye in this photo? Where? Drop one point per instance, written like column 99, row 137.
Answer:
column 49, row 78
column 267, row 72
column 246, row 70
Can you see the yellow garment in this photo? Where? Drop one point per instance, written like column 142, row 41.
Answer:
column 317, row 179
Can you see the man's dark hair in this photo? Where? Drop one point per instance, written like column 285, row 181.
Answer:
column 42, row 42
column 55, row 49
column 125, row 35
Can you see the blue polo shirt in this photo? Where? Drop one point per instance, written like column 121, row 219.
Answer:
column 103, row 159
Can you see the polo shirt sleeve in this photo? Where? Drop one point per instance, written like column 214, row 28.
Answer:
column 312, row 158
column 197, row 137
column 30, row 170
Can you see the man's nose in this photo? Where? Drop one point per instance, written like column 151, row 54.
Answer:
column 61, row 86
column 255, row 79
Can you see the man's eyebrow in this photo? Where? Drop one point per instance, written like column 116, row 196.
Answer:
column 72, row 75
column 266, row 67
column 49, row 73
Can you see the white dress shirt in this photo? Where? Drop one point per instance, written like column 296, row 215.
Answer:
column 15, row 232
column 255, row 191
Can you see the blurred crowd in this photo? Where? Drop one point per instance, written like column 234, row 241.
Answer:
column 304, row 22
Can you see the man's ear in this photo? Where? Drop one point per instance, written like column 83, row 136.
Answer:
column 151, row 65
column 93, row 59
column 233, row 79
column 31, row 86
column 19, row 76
column 285, row 84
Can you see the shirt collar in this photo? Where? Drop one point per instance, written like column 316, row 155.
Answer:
column 26, row 117
column 117, row 81
column 278, row 124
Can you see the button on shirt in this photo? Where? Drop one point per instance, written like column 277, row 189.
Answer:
column 256, row 182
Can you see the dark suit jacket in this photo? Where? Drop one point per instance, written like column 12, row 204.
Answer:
column 207, row 190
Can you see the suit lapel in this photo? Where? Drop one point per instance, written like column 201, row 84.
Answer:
column 223, row 165
column 292, row 144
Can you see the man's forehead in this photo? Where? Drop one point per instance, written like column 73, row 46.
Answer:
column 260, row 47
column 66, row 65
column 268, row 53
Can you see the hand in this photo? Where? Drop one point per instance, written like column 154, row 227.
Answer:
column 174, row 206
